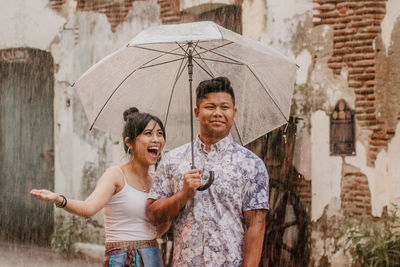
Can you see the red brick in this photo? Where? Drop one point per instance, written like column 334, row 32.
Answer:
column 326, row 1
column 345, row 31
column 362, row 77
column 359, row 43
column 365, row 36
column 355, row 84
column 364, row 104
column 370, row 83
column 381, row 5
column 377, row 142
column 376, row 136
column 347, row 4
column 336, row 65
column 325, row 7
column 377, row 17
column 339, row 26
column 364, row 49
column 370, row 10
column 362, row 63
column 356, row 70
column 370, row 117
column 374, row 29
column 339, row 45
column 363, row 23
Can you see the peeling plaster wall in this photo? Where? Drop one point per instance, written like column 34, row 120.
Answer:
column 76, row 40
column 388, row 23
column 254, row 15
column 384, row 179
column 28, row 24
column 325, row 170
column 83, row 155
column 283, row 20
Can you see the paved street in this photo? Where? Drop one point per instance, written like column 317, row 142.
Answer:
column 33, row 256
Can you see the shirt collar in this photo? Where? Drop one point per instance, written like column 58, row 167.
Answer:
column 219, row 146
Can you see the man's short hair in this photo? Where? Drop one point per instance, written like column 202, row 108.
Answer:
column 215, row 85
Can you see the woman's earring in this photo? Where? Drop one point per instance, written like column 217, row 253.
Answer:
column 129, row 150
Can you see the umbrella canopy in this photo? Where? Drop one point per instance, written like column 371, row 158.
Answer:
column 150, row 73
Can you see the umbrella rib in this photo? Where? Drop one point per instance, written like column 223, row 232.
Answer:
column 211, row 74
column 211, row 49
column 119, row 85
column 221, row 61
column 162, row 63
column 221, row 55
column 267, row 91
column 202, row 59
column 178, row 75
column 161, row 51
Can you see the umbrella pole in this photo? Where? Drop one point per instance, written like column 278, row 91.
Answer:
column 190, row 72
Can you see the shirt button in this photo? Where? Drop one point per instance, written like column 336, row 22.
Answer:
column 205, row 199
column 205, row 219
column 206, row 241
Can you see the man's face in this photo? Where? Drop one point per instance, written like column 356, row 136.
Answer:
column 216, row 114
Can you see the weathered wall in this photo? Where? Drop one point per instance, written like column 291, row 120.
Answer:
column 345, row 50
column 77, row 34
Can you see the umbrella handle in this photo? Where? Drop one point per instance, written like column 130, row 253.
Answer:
column 208, row 184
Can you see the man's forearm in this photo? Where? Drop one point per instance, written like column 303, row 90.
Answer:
column 165, row 209
column 253, row 237
column 253, row 243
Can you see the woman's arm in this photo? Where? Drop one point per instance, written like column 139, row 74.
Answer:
column 163, row 211
column 105, row 189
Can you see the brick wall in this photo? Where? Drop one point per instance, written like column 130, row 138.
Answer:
column 355, row 195
column 169, row 11
column 56, row 4
column 303, row 190
column 115, row 11
column 356, row 24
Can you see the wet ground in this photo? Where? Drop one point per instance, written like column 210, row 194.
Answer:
column 34, row 256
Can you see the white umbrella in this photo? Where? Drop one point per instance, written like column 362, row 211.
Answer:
column 150, row 74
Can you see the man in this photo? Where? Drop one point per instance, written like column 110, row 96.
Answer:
column 223, row 225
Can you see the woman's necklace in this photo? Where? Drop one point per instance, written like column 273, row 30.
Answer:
column 144, row 187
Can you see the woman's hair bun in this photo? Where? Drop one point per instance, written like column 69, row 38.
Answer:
column 129, row 112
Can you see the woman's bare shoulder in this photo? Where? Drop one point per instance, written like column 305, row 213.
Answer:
column 114, row 174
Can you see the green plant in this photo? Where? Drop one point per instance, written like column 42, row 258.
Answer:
column 374, row 244
column 62, row 237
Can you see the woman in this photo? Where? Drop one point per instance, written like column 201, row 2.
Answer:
column 122, row 192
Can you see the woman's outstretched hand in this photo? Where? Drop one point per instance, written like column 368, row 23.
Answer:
column 45, row 195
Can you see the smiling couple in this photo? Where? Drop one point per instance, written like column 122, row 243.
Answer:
column 221, row 226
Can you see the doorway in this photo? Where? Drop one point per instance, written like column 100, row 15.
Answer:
column 26, row 144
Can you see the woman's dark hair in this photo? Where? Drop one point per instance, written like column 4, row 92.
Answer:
column 215, row 85
column 136, row 122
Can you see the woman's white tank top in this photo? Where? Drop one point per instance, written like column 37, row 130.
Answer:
column 125, row 218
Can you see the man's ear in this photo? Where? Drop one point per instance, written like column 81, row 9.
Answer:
column 196, row 112
column 234, row 111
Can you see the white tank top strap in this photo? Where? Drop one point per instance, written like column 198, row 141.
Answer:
column 123, row 174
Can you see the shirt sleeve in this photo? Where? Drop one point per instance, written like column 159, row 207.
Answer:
column 161, row 185
column 256, row 193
